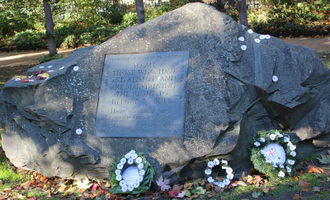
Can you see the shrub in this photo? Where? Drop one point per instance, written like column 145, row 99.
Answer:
column 130, row 19
column 29, row 39
column 46, row 57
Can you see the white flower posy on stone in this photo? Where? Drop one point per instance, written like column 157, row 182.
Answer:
column 224, row 165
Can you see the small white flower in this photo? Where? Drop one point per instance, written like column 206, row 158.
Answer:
column 75, row 68
column 140, row 166
column 132, row 152
column 78, row 131
column 128, row 155
column 123, row 161
column 229, row 170
column 262, row 139
column 134, row 156
column 130, row 161
column 142, row 172
column 286, row 139
column 225, row 162
column 272, row 136
column 275, row 78
column 281, row 174
column 138, row 160
column 291, row 162
column 257, row 144
column 140, row 178
column 267, row 37
column 49, row 71
column 61, row 68
column 288, row 169
column 124, row 188
column 230, row 176
column 293, row 147
column 281, row 166
column 257, row 40
column 268, row 161
column 224, row 167
column 50, row 66
column 280, row 135
column 274, row 165
column 216, row 162
column 118, row 177
column 120, row 166
column 262, row 37
column 122, row 183
column 241, row 38
column 210, row 179
column 243, row 47
column 210, row 164
column 136, row 184
column 118, row 172
column 226, row 181
column 262, row 152
column 250, row 31
column 293, row 153
column 41, row 67
column 222, row 185
column 215, row 183
column 208, row 171
column 130, row 188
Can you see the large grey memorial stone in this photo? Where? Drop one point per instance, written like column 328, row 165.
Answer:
column 182, row 88
column 143, row 95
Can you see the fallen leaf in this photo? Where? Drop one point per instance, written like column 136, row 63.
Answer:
column 256, row 194
column 241, row 183
column 296, row 196
column 26, row 185
column 163, row 183
column 218, row 189
column 303, row 184
column 316, row 189
column 211, row 194
column 295, row 178
column 314, row 169
column 322, row 181
column 201, row 181
column 18, row 196
column 188, row 185
column 95, row 186
column 172, row 193
column 187, row 193
column 209, row 187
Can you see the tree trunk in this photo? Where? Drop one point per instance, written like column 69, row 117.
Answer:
column 49, row 28
column 241, row 7
column 140, row 11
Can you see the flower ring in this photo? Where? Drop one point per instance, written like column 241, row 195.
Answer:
column 224, row 165
column 131, row 174
column 273, row 153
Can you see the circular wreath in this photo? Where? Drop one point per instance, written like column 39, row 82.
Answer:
column 145, row 174
column 224, row 165
column 261, row 159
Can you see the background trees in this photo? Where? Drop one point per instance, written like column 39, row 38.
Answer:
column 81, row 22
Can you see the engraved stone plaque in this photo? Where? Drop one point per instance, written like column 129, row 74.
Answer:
column 143, row 95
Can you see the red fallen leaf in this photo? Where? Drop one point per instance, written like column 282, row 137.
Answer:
column 95, row 186
column 40, row 185
column 38, row 72
column 25, row 80
column 173, row 193
column 19, row 188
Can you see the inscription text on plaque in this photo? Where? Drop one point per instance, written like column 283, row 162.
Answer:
column 143, row 95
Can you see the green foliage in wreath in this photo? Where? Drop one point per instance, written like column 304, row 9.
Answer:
column 146, row 174
column 258, row 158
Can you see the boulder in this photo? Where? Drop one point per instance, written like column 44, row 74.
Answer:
column 238, row 82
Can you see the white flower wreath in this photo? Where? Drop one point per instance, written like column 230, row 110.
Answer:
column 138, row 177
column 273, row 148
column 224, row 165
